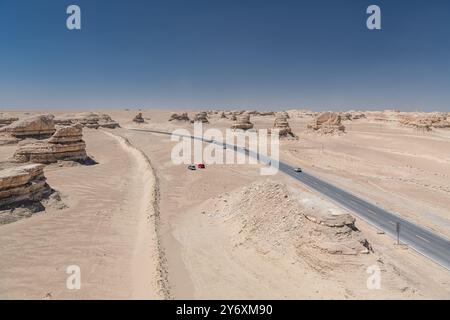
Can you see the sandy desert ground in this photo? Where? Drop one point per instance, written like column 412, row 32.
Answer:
column 141, row 227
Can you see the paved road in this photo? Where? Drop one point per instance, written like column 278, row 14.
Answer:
column 430, row 244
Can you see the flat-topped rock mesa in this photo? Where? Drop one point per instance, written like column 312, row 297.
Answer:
column 66, row 144
column 37, row 127
column 201, row 117
column 6, row 120
column 327, row 123
column 89, row 120
column 282, row 125
column 138, row 118
column 242, row 122
column 179, row 117
column 22, row 184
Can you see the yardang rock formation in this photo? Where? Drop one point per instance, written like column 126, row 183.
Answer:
column 38, row 127
column 23, row 184
column 66, row 144
column 179, row 117
column 327, row 123
column 138, row 118
column 425, row 122
column 201, row 117
column 282, row 125
column 242, row 122
column 6, row 120
column 89, row 120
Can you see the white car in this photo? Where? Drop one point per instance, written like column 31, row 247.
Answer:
column 298, row 170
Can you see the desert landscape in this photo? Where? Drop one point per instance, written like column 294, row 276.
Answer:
column 98, row 190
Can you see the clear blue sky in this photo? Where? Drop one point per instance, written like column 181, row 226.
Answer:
column 225, row 53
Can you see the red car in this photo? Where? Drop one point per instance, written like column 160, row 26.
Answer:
column 201, row 166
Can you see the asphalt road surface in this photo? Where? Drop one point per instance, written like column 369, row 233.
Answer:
column 430, row 244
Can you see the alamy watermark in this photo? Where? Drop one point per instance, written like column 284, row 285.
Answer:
column 374, row 20
column 73, row 281
column 73, row 21
column 235, row 147
column 374, row 280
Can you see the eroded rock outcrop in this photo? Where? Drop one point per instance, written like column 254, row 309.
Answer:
column 285, row 114
column 242, row 122
column 6, row 139
column 24, row 191
column 358, row 115
column 425, row 121
column 271, row 216
column 21, row 184
column 6, row 120
column 337, row 233
column 66, row 144
column 105, row 121
column 234, row 113
column 266, row 113
column 352, row 115
column 282, row 125
column 179, row 117
column 201, row 117
column 89, row 120
column 327, row 123
column 138, row 118
column 37, row 127
column 301, row 113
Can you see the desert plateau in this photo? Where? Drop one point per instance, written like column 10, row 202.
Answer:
column 97, row 189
